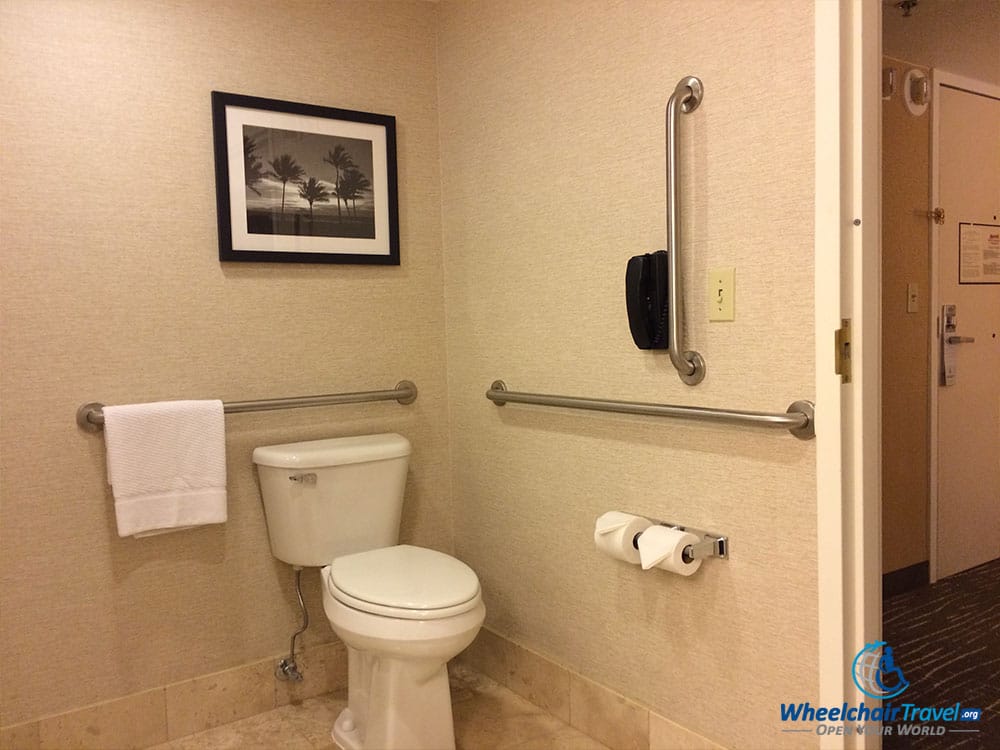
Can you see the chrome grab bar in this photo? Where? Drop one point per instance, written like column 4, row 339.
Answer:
column 90, row 417
column 690, row 365
column 799, row 419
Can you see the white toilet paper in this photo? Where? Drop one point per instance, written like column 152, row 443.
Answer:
column 663, row 547
column 614, row 532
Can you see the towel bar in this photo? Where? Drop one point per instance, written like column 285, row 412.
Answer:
column 90, row 417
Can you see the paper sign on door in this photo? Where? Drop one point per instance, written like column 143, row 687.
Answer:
column 978, row 253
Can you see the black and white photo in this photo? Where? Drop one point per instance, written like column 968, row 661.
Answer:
column 304, row 183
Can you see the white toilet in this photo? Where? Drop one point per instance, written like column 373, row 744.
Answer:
column 402, row 611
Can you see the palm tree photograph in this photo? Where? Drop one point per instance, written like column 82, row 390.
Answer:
column 304, row 183
column 308, row 184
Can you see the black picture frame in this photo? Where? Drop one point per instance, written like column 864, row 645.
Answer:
column 335, row 173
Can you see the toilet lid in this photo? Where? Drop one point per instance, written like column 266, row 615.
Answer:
column 404, row 581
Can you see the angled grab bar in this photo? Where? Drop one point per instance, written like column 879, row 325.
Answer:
column 690, row 365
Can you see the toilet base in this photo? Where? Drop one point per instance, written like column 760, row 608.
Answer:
column 395, row 704
column 345, row 732
column 398, row 696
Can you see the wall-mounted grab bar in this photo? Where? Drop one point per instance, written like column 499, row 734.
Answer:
column 90, row 417
column 799, row 419
column 689, row 364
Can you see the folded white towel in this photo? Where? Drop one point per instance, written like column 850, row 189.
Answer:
column 166, row 465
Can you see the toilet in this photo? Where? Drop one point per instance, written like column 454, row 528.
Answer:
column 402, row 611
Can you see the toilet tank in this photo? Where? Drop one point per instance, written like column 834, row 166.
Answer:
column 328, row 498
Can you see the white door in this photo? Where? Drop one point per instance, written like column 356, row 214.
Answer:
column 968, row 410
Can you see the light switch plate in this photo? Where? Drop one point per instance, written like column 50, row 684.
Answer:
column 722, row 293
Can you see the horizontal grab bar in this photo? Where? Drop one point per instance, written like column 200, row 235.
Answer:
column 90, row 416
column 799, row 419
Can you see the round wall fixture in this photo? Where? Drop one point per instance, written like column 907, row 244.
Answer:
column 916, row 91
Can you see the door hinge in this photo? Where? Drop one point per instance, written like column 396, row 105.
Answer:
column 842, row 357
column 937, row 214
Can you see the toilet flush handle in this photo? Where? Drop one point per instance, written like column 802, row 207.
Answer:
column 308, row 478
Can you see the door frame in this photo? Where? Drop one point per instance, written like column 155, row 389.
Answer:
column 830, row 480
column 939, row 78
column 848, row 50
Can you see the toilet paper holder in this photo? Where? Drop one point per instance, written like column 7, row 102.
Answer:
column 711, row 545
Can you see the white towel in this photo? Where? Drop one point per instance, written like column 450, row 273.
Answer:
column 166, row 465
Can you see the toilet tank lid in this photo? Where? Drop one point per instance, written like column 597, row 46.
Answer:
column 316, row 454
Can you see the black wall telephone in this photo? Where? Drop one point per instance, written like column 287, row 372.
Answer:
column 647, row 299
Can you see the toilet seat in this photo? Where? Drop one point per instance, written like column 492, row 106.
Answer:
column 404, row 582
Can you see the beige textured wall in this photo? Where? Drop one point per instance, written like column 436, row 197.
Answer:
column 552, row 176
column 112, row 291
column 551, row 155
column 959, row 36
column 905, row 260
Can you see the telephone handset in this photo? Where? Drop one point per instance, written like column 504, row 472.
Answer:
column 647, row 299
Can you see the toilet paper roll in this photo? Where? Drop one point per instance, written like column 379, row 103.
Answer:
column 614, row 532
column 663, row 547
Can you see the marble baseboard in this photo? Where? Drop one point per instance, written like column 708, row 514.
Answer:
column 167, row 713
column 593, row 709
column 181, row 709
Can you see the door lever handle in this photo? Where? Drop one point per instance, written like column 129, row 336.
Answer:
column 961, row 339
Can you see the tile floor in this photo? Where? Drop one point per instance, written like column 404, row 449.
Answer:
column 487, row 717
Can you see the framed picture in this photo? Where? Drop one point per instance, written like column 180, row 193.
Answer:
column 300, row 183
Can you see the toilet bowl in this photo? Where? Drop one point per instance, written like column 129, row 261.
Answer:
column 402, row 612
